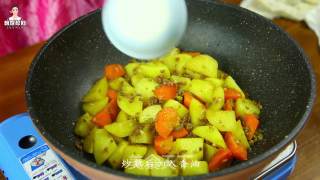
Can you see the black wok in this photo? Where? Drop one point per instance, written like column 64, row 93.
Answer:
column 265, row 61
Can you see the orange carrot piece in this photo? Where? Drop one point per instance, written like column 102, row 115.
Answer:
column 113, row 109
column 220, row 159
column 113, row 71
column 231, row 94
column 187, row 97
column 179, row 133
column 192, row 53
column 163, row 145
column 252, row 123
column 228, row 105
column 107, row 114
column 112, row 94
column 102, row 118
column 237, row 149
column 166, row 92
column 113, row 106
column 166, row 120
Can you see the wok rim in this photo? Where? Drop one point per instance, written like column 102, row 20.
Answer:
column 227, row 171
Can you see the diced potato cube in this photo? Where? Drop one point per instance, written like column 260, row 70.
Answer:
column 215, row 82
column 229, row 82
column 88, row 141
column 181, row 109
column 183, row 82
column 117, row 83
column 150, row 151
column 97, row 92
column 121, row 129
column 165, row 171
column 197, row 112
column 223, row 120
column 83, row 125
column 202, row 89
column 188, row 148
column 153, row 70
column 181, row 61
column 131, row 107
column 95, row 106
column 122, row 116
column 127, row 89
column 149, row 114
column 115, row 159
column 209, row 151
column 138, row 167
column 203, row 64
column 131, row 68
column 169, row 59
column 145, row 87
column 218, row 99
column 246, row 106
column 103, row 146
column 211, row 134
column 143, row 134
column 240, row 135
column 158, row 166
column 134, row 152
column 135, row 79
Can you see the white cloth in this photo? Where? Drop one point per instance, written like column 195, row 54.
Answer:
column 313, row 21
column 306, row 10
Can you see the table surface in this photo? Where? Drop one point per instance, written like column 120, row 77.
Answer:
column 14, row 68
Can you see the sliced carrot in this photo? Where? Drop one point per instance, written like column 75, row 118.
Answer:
column 107, row 114
column 113, row 71
column 112, row 94
column 166, row 92
column 102, row 118
column 113, row 109
column 228, row 105
column 166, row 120
column 252, row 123
column 192, row 53
column 163, row 145
column 179, row 133
column 187, row 97
column 113, row 106
column 237, row 149
column 220, row 159
column 231, row 94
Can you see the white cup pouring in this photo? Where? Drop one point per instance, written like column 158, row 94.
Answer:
column 144, row 29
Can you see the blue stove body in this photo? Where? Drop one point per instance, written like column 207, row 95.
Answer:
column 25, row 155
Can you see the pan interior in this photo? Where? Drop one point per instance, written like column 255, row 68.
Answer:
column 267, row 65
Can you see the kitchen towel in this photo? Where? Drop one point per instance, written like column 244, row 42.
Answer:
column 298, row 10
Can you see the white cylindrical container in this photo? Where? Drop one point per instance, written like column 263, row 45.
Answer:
column 144, row 29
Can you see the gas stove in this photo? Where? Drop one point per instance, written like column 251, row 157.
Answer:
column 25, row 155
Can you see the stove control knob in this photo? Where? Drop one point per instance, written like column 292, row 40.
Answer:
column 27, row 142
